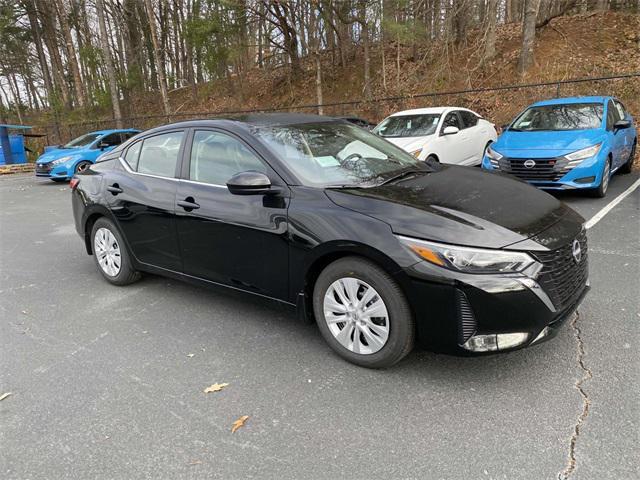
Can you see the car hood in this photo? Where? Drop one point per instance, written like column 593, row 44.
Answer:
column 57, row 153
column 546, row 143
column 410, row 144
column 465, row 206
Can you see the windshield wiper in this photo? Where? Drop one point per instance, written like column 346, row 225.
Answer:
column 400, row 175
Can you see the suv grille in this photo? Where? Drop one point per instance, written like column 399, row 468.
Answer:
column 562, row 277
column 544, row 169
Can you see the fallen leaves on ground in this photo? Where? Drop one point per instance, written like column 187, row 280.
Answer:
column 190, row 355
column 239, row 423
column 216, row 387
column 5, row 395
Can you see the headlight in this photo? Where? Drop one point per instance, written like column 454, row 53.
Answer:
column 416, row 153
column 584, row 153
column 492, row 154
column 469, row 260
column 62, row 160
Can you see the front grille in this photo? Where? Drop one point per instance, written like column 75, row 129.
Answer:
column 543, row 170
column 43, row 168
column 466, row 320
column 561, row 276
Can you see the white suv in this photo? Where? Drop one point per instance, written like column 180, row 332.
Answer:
column 445, row 134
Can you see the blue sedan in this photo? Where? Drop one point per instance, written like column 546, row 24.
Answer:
column 567, row 143
column 63, row 162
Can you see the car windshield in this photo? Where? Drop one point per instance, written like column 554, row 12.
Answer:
column 570, row 116
column 82, row 141
column 337, row 154
column 408, row 125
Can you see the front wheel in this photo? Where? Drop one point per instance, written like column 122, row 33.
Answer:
column 363, row 314
column 82, row 166
column 601, row 190
column 111, row 255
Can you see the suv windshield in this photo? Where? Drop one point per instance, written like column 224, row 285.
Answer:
column 82, row 141
column 337, row 154
column 570, row 116
column 408, row 125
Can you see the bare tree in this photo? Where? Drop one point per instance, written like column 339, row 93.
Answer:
column 528, row 35
column 162, row 82
column 106, row 54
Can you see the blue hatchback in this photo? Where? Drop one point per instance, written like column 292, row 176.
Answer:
column 63, row 162
column 567, row 143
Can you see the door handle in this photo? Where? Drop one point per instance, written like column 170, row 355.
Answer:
column 188, row 204
column 114, row 189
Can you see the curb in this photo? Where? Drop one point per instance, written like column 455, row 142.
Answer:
column 17, row 168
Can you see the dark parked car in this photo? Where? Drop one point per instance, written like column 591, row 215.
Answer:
column 382, row 249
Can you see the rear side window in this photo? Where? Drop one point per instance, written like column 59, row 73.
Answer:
column 132, row 155
column 468, row 119
column 159, row 154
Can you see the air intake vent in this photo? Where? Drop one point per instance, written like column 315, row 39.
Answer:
column 466, row 321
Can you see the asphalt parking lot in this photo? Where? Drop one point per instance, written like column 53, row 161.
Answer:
column 108, row 382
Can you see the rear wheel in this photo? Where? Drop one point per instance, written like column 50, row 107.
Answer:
column 601, row 190
column 432, row 158
column 110, row 253
column 363, row 314
column 626, row 168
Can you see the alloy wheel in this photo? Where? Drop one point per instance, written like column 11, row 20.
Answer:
column 356, row 315
column 107, row 251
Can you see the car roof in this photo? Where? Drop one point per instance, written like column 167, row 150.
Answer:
column 421, row 111
column 253, row 119
column 565, row 100
column 105, row 132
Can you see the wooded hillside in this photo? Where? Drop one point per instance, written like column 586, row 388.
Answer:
column 85, row 59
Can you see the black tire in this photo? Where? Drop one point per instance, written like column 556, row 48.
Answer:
column 626, row 168
column 401, row 323
column 127, row 274
column 601, row 190
column 59, row 180
column 82, row 166
column 432, row 158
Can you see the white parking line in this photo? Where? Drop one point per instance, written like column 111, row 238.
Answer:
column 598, row 216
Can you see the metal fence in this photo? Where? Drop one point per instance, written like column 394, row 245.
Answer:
column 498, row 104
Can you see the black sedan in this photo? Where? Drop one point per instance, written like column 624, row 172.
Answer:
column 382, row 249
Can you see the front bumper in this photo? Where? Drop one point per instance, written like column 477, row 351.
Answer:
column 586, row 175
column 52, row 171
column 452, row 308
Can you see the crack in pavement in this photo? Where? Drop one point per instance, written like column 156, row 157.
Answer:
column 586, row 402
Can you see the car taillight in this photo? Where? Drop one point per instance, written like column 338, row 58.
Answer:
column 74, row 183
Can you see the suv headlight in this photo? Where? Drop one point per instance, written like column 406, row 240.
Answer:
column 466, row 259
column 416, row 153
column 62, row 160
column 584, row 153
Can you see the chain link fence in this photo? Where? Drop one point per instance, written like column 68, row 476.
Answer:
column 497, row 104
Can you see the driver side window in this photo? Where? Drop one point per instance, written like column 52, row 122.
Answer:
column 110, row 140
column 216, row 157
column 451, row 120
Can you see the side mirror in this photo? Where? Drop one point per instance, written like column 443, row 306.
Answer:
column 450, row 130
column 249, row 183
column 621, row 125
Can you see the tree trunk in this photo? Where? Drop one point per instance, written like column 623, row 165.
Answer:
column 528, row 35
column 364, row 24
column 491, row 15
column 44, row 67
column 50, row 39
column 71, row 53
column 162, row 83
column 106, row 54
